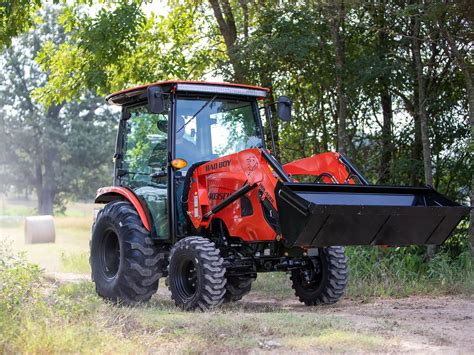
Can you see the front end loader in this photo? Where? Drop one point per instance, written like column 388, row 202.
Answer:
column 199, row 199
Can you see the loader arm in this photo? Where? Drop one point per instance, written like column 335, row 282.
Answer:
column 329, row 168
column 257, row 203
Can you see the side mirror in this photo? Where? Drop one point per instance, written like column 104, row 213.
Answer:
column 156, row 102
column 284, row 108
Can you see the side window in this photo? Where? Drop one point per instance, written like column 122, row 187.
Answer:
column 145, row 146
column 145, row 151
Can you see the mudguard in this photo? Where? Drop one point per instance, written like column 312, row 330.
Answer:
column 111, row 193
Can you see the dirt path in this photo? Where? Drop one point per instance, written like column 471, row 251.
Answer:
column 421, row 324
column 416, row 324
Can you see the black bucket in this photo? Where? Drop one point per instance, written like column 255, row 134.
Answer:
column 329, row 214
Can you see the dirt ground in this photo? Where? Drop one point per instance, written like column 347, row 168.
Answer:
column 413, row 324
column 420, row 324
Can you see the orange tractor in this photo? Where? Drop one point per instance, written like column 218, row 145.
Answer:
column 198, row 198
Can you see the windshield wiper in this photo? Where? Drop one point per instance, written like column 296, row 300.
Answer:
column 197, row 113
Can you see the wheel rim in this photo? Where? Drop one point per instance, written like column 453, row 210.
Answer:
column 110, row 254
column 316, row 279
column 186, row 279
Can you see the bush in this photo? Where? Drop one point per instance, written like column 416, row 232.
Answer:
column 378, row 271
column 19, row 287
column 40, row 317
column 19, row 279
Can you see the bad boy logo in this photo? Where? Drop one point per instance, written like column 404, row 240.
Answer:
column 252, row 164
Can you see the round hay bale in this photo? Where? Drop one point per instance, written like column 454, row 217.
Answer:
column 39, row 229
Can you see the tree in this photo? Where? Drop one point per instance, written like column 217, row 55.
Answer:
column 455, row 22
column 120, row 47
column 224, row 16
column 375, row 78
column 419, row 67
column 336, row 13
column 16, row 16
column 43, row 142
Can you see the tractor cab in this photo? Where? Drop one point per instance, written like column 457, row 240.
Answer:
column 168, row 127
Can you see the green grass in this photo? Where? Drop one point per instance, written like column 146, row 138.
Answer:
column 76, row 263
column 374, row 271
column 400, row 272
column 38, row 316
column 274, row 285
column 17, row 208
column 73, row 232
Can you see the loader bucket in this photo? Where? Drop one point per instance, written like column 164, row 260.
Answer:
column 329, row 214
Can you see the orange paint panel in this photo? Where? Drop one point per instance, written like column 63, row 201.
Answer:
column 219, row 178
column 130, row 196
column 325, row 163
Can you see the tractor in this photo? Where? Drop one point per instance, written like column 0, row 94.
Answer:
column 199, row 200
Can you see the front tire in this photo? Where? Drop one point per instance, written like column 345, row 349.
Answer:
column 196, row 274
column 325, row 280
column 126, row 264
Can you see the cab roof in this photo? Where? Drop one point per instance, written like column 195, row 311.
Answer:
column 139, row 93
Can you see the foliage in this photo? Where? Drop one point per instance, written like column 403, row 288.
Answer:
column 288, row 46
column 44, row 317
column 120, row 47
column 18, row 280
column 16, row 16
column 60, row 151
column 405, row 271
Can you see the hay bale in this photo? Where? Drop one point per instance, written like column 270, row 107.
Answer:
column 39, row 229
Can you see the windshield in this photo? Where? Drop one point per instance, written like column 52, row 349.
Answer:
column 207, row 128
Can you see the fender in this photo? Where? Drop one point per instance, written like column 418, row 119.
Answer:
column 112, row 193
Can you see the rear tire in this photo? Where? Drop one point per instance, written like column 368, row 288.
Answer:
column 125, row 262
column 237, row 287
column 325, row 280
column 196, row 274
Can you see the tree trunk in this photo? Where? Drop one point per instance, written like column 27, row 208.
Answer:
column 386, row 157
column 416, row 153
column 46, row 178
column 425, row 139
column 325, row 140
column 471, row 217
column 466, row 69
column 268, row 82
column 336, row 22
column 226, row 22
column 424, row 130
column 385, row 96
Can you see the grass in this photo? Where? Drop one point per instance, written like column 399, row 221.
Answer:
column 20, row 208
column 274, row 285
column 73, row 232
column 40, row 316
column 76, row 263
column 46, row 318
column 398, row 272
column 375, row 272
